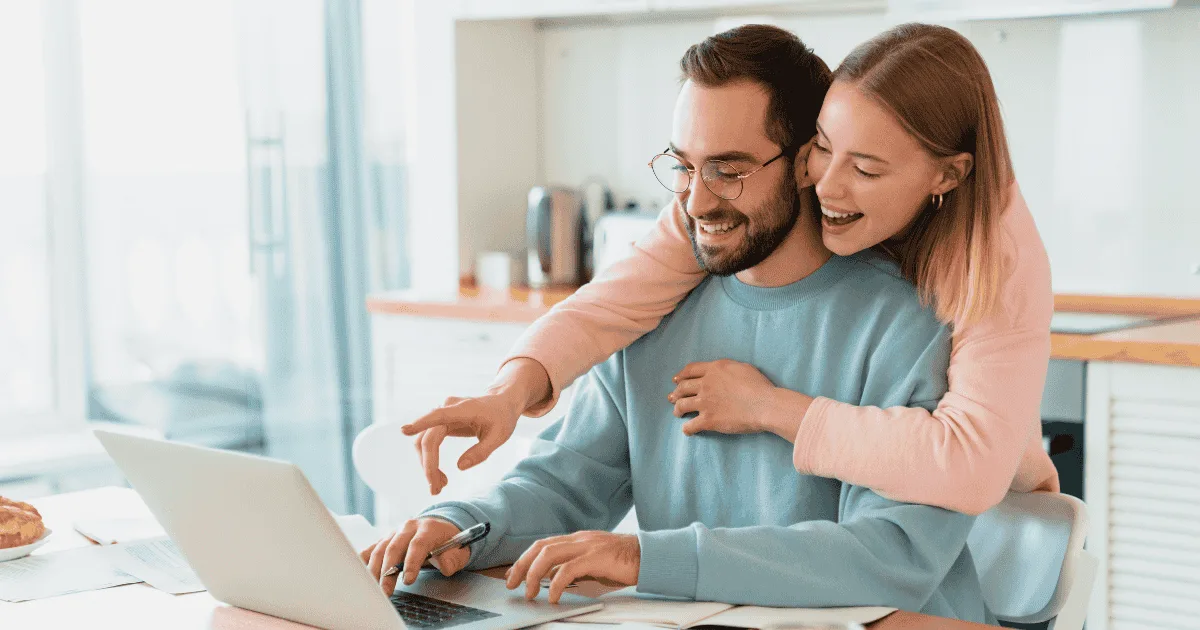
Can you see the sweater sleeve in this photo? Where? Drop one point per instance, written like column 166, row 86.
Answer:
column 880, row 553
column 982, row 437
column 624, row 302
column 575, row 478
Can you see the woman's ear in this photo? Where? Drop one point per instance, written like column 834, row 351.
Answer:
column 955, row 170
column 801, row 165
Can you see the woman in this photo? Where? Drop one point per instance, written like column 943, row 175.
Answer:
column 910, row 158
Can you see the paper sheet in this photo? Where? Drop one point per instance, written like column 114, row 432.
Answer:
column 629, row 606
column 110, row 531
column 59, row 573
column 159, row 564
column 762, row 617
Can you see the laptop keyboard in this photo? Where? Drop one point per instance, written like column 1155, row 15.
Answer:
column 419, row 611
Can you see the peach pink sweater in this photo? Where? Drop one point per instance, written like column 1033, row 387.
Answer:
column 983, row 438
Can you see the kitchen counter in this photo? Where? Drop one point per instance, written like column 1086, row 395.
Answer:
column 518, row 304
column 1176, row 342
column 1173, row 342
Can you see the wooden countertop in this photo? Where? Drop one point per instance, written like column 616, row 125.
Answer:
column 1175, row 342
column 1172, row 343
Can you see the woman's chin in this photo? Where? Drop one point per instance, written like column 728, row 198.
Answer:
column 841, row 245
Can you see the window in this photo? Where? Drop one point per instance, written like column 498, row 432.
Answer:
column 27, row 384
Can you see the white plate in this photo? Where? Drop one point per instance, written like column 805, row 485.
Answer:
column 13, row 553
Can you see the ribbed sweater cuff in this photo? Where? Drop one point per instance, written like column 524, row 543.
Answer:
column 670, row 565
column 808, row 436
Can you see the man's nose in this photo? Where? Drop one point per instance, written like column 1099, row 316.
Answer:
column 700, row 200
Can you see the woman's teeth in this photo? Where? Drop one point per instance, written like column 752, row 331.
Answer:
column 839, row 218
column 717, row 228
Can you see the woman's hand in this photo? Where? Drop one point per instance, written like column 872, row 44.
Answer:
column 491, row 418
column 734, row 397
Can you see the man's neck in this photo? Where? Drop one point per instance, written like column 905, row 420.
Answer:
column 799, row 255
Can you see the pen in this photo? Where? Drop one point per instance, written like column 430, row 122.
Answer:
column 461, row 539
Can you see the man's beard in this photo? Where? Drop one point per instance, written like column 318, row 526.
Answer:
column 762, row 235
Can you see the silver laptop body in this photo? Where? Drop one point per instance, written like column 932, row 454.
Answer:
column 258, row 536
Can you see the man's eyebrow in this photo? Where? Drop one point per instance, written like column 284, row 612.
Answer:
column 725, row 156
column 857, row 154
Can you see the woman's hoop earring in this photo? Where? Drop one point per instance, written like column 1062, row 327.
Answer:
column 936, row 200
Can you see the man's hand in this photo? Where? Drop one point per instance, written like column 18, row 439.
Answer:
column 490, row 418
column 412, row 543
column 603, row 555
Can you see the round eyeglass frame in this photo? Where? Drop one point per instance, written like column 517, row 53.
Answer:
column 708, row 173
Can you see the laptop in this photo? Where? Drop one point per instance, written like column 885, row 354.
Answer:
column 257, row 535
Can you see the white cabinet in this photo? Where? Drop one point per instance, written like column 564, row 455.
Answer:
column 1142, row 486
column 420, row 361
column 941, row 10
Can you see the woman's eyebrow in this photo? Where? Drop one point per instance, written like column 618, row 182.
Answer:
column 857, row 154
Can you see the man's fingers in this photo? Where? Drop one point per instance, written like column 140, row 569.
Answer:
column 422, row 543
column 378, row 564
column 516, row 573
column 692, row 370
column 452, row 561
column 431, row 445
column 551, row 556
column 567, row 572
column 365, row 554
column 684, row 406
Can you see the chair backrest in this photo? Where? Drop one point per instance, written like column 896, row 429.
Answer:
column 1026, row 550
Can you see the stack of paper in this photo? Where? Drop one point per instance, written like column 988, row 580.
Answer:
column 59, row 573
column 627, row 606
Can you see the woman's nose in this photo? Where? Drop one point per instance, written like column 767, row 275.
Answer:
column 832, row 183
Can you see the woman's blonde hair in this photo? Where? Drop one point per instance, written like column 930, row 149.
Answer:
column 938, row 86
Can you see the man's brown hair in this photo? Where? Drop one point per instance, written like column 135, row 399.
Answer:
column 795, row 78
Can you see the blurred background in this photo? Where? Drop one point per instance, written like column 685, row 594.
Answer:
column 265, row 225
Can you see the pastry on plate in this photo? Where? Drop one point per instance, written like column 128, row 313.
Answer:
column 20, row 524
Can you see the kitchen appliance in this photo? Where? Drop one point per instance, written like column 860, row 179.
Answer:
column 615, row 234
column 554, row 236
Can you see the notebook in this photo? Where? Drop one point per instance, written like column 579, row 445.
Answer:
column 629, row 606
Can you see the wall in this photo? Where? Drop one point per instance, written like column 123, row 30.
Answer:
column 1103, row 115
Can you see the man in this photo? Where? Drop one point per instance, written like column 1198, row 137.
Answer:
column 727, row 517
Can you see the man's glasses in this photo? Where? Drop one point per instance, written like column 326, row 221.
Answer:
column 722, row 178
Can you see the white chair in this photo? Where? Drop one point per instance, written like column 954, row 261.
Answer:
column 389, row 464
column 1029, row 554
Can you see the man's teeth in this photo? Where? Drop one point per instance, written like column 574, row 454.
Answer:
column 718, row 228
column 837, row 215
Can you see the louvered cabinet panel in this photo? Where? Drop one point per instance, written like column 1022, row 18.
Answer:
column 1143, row 493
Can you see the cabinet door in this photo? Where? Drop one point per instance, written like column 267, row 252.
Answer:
column 1143, row 494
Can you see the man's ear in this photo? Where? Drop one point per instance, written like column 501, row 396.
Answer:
column 801, row 165
column 955, row 170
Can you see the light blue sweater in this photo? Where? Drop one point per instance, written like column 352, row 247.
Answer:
column 727, row 517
